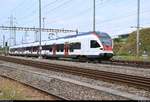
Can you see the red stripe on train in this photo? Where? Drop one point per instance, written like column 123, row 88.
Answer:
column 107, row 48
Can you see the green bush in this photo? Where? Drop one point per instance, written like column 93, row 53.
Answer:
column 129, row 47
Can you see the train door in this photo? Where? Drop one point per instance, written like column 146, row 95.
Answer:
column 66, row 49
column 54, row 49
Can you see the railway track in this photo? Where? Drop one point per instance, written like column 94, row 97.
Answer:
column 140, row 82
column 137, row 64
column 134, row 64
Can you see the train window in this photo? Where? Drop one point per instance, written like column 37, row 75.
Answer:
column 94, row 44
column 12, row 50
column 71, row 47
column 77, row 46
column 29, row 48
column 57, row 50
column 60, row 48
column 50, row 49
column 45, row 47
column 35, row 48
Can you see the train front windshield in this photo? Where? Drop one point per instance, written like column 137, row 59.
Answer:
column 105, row 39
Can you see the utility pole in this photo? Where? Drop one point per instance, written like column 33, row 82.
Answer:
column 11, row 25
column 36, row 36
column 43, row 22
column 3, row 41
column 14, row 37
column 4, row 45
column 138, row 26
column 25, row 37
column 12, row 31
column 22, row 40
column 94, row 7
column 40, row 46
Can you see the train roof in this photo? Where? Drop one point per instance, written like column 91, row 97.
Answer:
column 82, row 34
column 66, row 37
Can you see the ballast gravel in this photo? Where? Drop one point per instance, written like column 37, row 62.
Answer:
column 66, row 90
column 143, row 72
column 60, row 87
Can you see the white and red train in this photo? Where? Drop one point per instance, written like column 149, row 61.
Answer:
column 91, row 45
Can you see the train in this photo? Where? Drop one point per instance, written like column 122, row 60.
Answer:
column 87, row 45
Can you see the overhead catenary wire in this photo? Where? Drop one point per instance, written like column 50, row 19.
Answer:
column 49, row 4
column 59, row 6
column 24, row 7
column 120, row 18
column 81, row 13
column 76, row 15
column 30, row 14
column 123, row 17
column 19, row 5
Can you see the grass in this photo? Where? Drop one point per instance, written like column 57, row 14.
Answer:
column 9, row 91
column 12, row 90
column 132, row 58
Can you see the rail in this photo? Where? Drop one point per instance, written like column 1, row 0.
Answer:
column 141, row 82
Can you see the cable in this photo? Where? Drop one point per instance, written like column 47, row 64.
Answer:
column 51, row 3
column 79, row 13
column 59, row 6
column 27, row 9
column 118, row 18
column 29, row 15
column 19, row 5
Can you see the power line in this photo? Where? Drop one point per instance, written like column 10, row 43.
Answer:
column 19, row 5
column 79, row 14
column 59, row 6
column 122, row 17
column 28, row 14
column 51, row 3
column 25, row 9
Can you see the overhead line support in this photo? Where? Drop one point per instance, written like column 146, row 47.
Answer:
column 138, row 27
column 40, row 46
column 36, row 29
column 94, row 7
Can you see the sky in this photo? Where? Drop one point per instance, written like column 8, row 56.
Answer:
column 114, row 17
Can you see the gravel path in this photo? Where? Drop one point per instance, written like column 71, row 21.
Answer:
column 73, row 91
